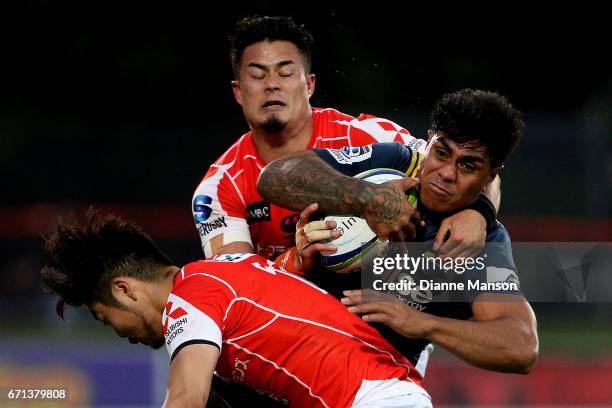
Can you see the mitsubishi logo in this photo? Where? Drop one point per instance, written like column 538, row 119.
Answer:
column 175, row 314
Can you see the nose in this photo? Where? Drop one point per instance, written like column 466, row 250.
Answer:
column 448, row 172
column 272, row 83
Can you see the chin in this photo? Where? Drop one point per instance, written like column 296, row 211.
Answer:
column 273, row 124
column 435, row 205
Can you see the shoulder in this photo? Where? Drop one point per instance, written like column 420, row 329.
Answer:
column 197, row 278
column 233, row 162
column 242, row 146
column 498, row 234
column 330, row 114
column 499, row 248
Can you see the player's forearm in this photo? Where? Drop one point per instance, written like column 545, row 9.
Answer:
column 303, row 179
column 506, row 344
column 185, row 400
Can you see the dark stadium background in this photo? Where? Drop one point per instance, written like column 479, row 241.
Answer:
column 124, row 106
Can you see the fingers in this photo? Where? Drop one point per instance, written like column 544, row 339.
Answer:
column 441, row 236
column 384, row 310
column 306, row 213
column 313, row 249
column 309, row 232
column 357, row 297
column 316, row 231
column 458, row 250
column 377, row 318
column 407, row 232
column 416, row 218
column 313, row 226
column 408, row 183
column 353, row 297
column 452, row 243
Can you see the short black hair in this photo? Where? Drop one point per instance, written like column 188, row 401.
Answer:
column 481, row 117
column 83, row 259
column 253, row 29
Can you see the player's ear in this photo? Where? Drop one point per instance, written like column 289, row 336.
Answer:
column 310, row 84
column 494, row 173
column 430, row 134
column 124, row 289
column 236, row 91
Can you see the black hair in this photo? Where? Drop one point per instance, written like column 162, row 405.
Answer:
column 83, row 260
column 483, row 118
column 250, row 30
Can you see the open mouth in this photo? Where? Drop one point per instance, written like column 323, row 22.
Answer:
column 269, row 104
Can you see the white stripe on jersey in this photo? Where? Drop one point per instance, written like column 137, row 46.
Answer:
column 327, row 139
column 237, row 189
column 214, row 277
column 275, row 318
column 228, row 151
column 283, row 369
column 317, row 110
column 321, row 325
column 210, row 186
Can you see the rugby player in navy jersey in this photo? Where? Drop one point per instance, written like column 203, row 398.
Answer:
column 472, row 133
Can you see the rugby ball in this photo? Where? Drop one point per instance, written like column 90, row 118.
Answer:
column 357, row 238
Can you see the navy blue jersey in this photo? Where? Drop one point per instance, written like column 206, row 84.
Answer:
column 498, row 264
column 351, row 161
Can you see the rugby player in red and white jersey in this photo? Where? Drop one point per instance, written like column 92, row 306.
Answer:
column 273, row 84
column 234, row 314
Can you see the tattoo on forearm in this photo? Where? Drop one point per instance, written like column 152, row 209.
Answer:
column 297, row 182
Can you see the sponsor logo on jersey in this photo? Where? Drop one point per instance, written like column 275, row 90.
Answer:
column 206, row 228
column 288, row 223
column 201, row 208
column 239, row 370
column 495, row 274
column 259, row 211
column 350, row 154
column 417, row 144
column 272, row 251
column 179, row 320
column 416, row 298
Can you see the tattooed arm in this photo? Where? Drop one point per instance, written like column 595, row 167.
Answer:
column 304, row 178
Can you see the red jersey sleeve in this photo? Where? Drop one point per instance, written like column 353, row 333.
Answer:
column 195, row 312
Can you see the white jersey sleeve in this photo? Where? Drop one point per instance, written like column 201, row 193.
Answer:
column 218, row 208
column 195, row 311
column 184, row 324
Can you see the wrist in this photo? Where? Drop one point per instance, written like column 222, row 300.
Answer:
column 479, row 217
column 486, row 209
column 431, row 327
column 365, row 203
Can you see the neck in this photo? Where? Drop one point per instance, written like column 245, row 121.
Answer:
column 294, row 137
column 160, row 291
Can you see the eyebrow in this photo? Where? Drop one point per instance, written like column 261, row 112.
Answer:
column 467, row 158
column 265, row 67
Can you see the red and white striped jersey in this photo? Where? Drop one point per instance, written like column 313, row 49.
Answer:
column 280, row 334
column 226, row 201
